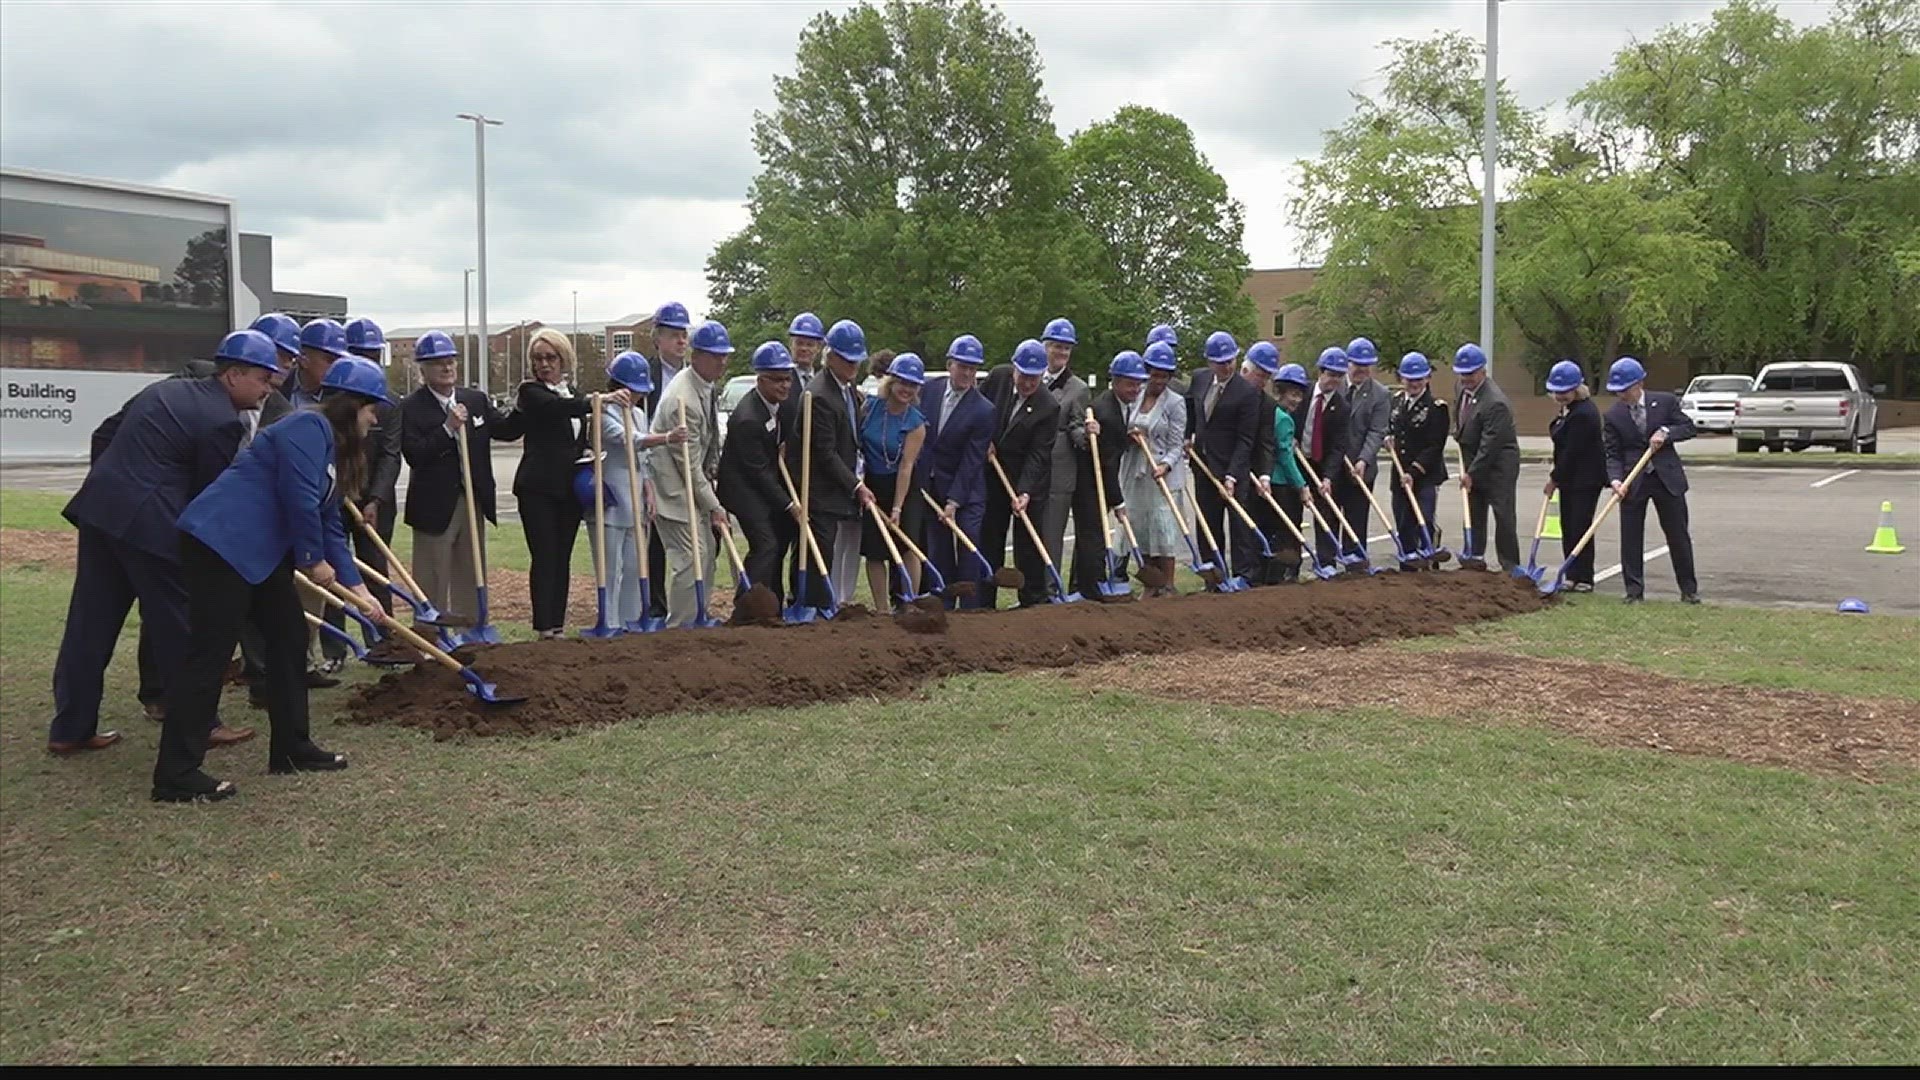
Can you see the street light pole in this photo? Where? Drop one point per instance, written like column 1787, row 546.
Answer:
column 466, row 323
column 1489, row 153
column 576, row 322
column 480, row 125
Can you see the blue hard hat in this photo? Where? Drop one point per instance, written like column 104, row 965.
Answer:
column 1362, row 352
column 629, row 369
column 711, row 337
column 1852, row 605
column 908, row 367
column 1293, row 374
column 1624, row 373
column 967, row 349
column 807, row 325
column 357, row 375
column 1163, row 332
column 249, row 347
column 772, row 356
column 1468, row 359
column 365, row 334
column 1059, row 330
column 282, row 329
column 846, row 338
column 1159, row 356
column 1127, row 364
column 1564, row 376
column 1334, row 359
column 673, row 315
column 1221, row 348
column 1030, row 358
column 434, row 345
column 1414, row 366
column 325, row 335
column 583, row 486
column 1264, row 356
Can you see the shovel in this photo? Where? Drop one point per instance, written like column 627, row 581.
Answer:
column 1435, row 555
column 1207, row 571
column 1468, row 560
column 907, row 595
column 940, row 512
column 423, row 611
column 939, row 582
column 446, row 638
column 1266, row 549
column 800, row 611
column 1360, row 544
column 1158, row 580
column 1113, row 584
column 368, row 630
column 599, row 631
column 646, row 623
column 1360, row 478
column 359, row 653
column 1320, row 570
column 700, row 617
column 1533, row 571
column 1060, row 594
column 741, row 582
column 1228, row 582
column 480, row 688
column 1548, row 588
column 481, row 632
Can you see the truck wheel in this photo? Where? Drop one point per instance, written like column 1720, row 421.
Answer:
column 1746, row 446
column 1775, row 448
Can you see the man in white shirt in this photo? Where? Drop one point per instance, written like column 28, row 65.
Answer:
column 679, row 510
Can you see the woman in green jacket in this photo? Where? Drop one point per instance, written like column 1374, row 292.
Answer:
column 1288, row 486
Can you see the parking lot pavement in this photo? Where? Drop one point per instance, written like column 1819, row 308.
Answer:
column 1790, row 538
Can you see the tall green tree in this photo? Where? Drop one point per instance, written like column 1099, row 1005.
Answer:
column 1803, row 147
column 911, row 181
column 1171, row 235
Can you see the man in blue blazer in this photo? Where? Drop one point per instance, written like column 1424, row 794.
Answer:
column 1640, row 419
column 953, row 466
column 172, row 440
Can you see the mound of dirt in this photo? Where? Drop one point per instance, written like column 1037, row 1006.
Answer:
column 574, row 683
column 759, row 607
column 922, row 620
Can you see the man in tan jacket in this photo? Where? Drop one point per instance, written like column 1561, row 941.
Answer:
column 679, row 511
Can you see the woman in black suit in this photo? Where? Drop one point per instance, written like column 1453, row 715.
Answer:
column 554, row 422
column 1579, row 465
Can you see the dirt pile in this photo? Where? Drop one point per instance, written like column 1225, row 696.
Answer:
column 575, row 683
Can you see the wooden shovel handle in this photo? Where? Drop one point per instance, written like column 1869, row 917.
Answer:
column 1032, row 533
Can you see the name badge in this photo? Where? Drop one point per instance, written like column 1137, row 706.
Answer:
column 479, row 421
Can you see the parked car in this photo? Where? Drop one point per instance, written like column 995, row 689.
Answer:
column 1808, row 403
column 1709, row 400
column 735, row 390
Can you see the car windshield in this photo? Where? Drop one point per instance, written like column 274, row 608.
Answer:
column 1720, row 384
column 1804, row 379
column 736, row 388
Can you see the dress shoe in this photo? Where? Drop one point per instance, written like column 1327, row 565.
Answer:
column 1633, row 600
column 1690, row 598
column 193, row 788
column 308, row 758
column 320, row 678
column 99, row 741
column 1580, row 587
column 156, row 712
column 222, row 735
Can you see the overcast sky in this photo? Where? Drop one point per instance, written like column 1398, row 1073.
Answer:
column 626, row 152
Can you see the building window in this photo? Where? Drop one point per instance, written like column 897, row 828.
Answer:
column 622, row 342
column 1279, row 324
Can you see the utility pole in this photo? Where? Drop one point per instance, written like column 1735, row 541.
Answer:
column 466, row 324
column 480, row 125
column 1489, row 154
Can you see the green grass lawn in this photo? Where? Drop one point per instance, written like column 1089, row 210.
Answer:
column 1012, row 869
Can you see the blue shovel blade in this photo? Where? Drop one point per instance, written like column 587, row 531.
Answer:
column 486, row 691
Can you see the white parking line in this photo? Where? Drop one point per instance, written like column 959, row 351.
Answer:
column 1614, row 570
column 1836, row 476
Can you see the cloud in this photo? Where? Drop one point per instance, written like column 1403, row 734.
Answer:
column 626, row 154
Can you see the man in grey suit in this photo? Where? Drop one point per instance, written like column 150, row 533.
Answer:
column 1070, row 442
column 1369, row 405
column 1491, row 448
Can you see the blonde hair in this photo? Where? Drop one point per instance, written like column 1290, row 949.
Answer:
column 1582, row 392
column 556, row 339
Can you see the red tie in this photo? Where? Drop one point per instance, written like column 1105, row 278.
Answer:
column 1319, row 428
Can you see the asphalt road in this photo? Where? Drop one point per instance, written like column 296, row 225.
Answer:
column 1791, row 538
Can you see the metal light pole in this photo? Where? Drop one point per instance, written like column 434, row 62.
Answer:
column 466, row 323
column 576, row 322
column 1489, row 153
column 480, row 125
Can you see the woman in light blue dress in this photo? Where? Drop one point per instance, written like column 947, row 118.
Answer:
column 1160, row 415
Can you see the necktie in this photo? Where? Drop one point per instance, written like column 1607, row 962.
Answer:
column 250, row 419
column 1213, row 397
column 1319, row 429
column 1466, row 407
column 1640, row 416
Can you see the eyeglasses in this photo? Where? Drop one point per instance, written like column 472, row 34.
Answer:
column 545, row 356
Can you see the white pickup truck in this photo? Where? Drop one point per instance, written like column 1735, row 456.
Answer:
column 1807, row 403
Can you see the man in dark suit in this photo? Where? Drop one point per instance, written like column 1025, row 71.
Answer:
column 953, row 463
column 1491, row 448
column 750, row 486
column 1639, row 420
column 1069, row 447
column 430, row 421
column 835, row 495
column 1108, row 428
column 671, row 327
column 1223, row 437
column 1026, row 421
column 1258, row 369
column 1369, row 407
column 1323, row 427
column 167, row 445
column 806, row 337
